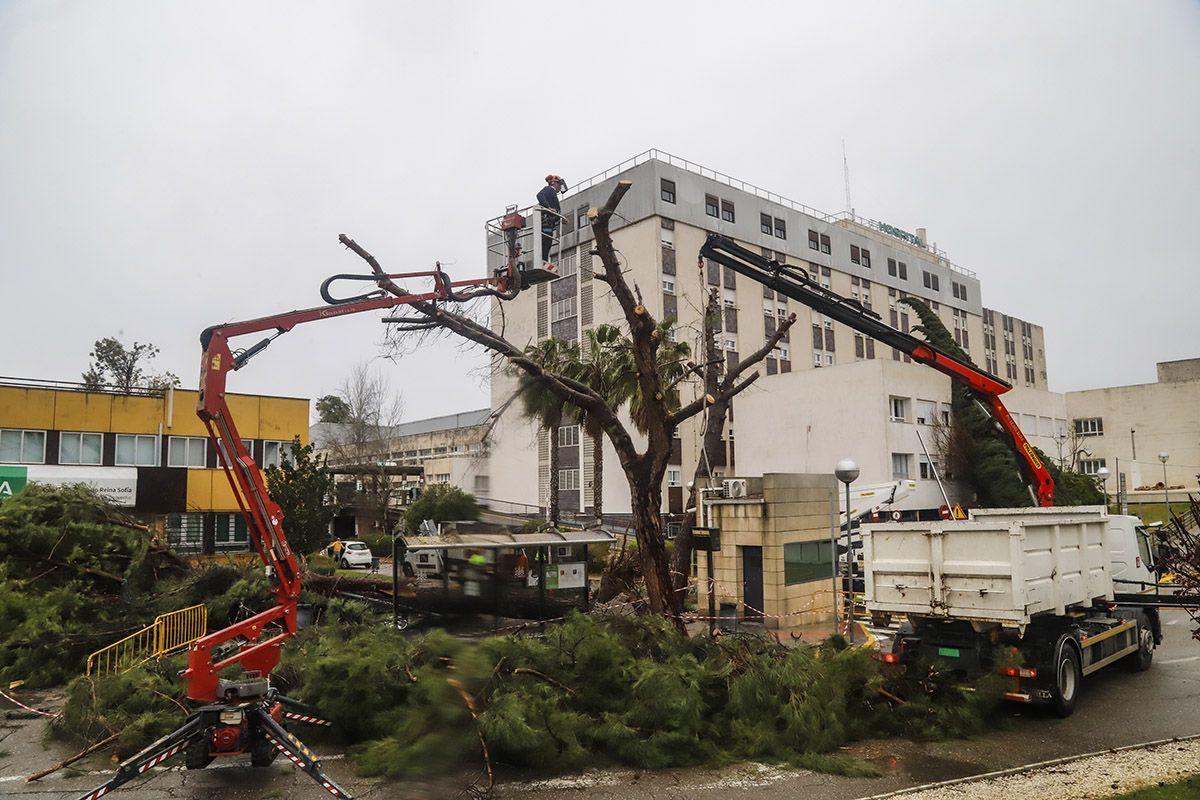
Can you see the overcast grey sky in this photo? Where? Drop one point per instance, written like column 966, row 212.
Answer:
column 166, row 166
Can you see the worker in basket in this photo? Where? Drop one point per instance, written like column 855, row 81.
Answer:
column 551, row 215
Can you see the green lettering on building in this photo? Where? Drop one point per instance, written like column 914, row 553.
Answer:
column 901, row 234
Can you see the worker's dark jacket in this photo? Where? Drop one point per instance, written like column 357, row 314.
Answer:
column 548, row 198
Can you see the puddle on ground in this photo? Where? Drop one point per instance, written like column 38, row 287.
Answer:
column 926, row 768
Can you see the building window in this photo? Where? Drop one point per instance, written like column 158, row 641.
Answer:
column 568, row 480
column 581, row 217
column 729, row 297
column 568, row 436
column 275, row 453
column 825, row 244
column 563, row 309
column 780, row 231
column 898, row 407
column 231, row 534
column 1090, row 426
column 927, row 469
column 22, row 447
column 814, row 240
column 187, row 451
column 854, row 256
column 668, row 284
column 1090, row 466
column 667, row 189
column 930, row 281
column 959, row 290
column 900, row 466
column 482, row 484
column 80, row 448
column 711, row 206
column 764, row 223
column 674, row 476
column 727, row 211
column 866, row 257
column 897, row 269
column 136, row 451
column 666, row 236
column 568, row 264
column 185, row 532
column 807, row 561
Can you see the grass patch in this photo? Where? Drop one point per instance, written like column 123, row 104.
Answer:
column 1186, row 789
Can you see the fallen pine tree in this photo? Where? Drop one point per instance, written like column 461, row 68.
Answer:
column 628, row 690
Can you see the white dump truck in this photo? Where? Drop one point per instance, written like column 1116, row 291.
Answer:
column 1062, row 585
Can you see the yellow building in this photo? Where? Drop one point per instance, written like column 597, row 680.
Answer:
column 776, row 557
column 145, row 450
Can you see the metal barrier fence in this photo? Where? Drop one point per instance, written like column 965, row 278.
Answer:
column 169, row 632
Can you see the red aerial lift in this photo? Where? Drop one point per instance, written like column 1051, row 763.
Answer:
column 245, row 715
column 794, row 282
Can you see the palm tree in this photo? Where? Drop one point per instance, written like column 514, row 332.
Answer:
column 604, row 364
column 599, row 364
column 540, row 404
column 673, row 366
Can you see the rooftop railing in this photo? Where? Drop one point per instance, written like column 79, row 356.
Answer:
column 655, row 154
column 74, row 386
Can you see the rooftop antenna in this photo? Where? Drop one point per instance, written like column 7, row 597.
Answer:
column 846, row 173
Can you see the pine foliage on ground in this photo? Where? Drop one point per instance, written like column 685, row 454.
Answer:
column 626, row 690
column 71, row 568
column 978, row 453
column 141, row 705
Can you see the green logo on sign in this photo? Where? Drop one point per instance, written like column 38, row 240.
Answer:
column 12, row 480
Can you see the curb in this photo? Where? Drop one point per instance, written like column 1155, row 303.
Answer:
column 1028, row 767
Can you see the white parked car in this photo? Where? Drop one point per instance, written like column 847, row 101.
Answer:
column 354, row 554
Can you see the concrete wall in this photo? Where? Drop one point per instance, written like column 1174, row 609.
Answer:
column 791, row 508
column 1140, row 422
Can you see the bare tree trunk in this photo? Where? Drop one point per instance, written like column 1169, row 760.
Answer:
column 646, row 498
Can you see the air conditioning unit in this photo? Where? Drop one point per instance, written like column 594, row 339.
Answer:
column 735, row 487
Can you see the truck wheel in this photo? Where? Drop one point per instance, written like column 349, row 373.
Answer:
column 1067, row 677
column 1141, row 660
column 262, row 752
column 196, row 755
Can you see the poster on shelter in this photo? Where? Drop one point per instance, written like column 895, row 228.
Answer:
column 572, row 576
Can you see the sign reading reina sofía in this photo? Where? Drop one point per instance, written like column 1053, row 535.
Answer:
column 116, row 484
column 901, row 234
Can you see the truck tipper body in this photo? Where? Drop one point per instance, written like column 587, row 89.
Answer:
column 1041, row 580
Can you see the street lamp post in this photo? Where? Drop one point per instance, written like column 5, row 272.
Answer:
column 1166, row 493
column 847, row 472
column 1102, row 478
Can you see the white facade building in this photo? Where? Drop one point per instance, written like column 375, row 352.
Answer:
column 801, row 412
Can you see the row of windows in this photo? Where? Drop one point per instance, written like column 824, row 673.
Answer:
column 901, row 409
column 132, row 450
column 185, row 533
column 769, row 225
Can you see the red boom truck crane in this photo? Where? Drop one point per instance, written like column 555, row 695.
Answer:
column 794, row 282
column 246, row 714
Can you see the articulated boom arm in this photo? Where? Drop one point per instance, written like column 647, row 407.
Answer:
column 264, row 520
column 794, row 282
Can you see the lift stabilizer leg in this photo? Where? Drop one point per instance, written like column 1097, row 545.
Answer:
column 295, row 710
column 153, row 755
column 295, row 750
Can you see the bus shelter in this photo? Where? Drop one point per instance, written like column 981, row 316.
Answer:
column 522, row 575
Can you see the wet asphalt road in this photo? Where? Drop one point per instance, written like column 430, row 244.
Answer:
column 1116, row 708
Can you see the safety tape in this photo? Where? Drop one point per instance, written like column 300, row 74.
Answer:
column 16, row 702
